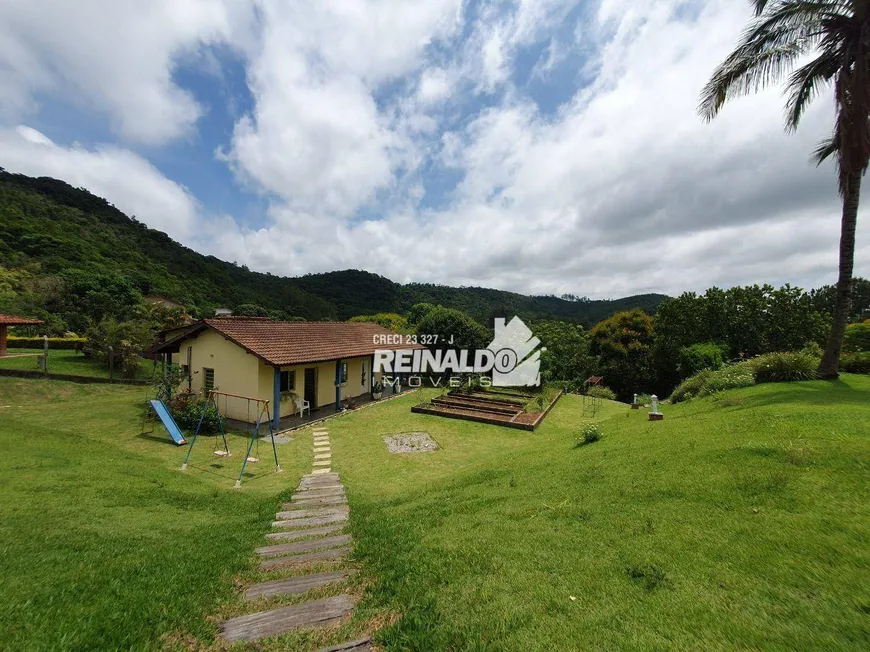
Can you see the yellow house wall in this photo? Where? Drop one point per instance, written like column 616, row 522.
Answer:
column 238, row 372
column 325, row 382
column 235, row 371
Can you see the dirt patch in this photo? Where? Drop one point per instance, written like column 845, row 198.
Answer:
column 411, row 442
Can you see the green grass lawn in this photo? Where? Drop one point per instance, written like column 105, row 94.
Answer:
column 68, row 361
column 105, row 543
column 739, row 522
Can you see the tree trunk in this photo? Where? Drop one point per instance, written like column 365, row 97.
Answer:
column 831, row 359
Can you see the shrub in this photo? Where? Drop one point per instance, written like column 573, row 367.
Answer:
column 697, row 357
column 66, row 343
column 855, row 363
column 857, row 338
column 128, row 341
column 644, row 399
column 731, row 377
column 590, row 434
column 600, row 391
column 690, row 386
column 187, row 408
column 776, row 367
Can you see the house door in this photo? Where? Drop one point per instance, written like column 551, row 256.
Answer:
column 311, row 386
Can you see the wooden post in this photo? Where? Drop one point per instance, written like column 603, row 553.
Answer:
column 45, row 352
column 338, row 386
column 276, row 399
column 2, row 339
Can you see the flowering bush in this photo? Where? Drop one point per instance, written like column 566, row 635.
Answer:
column 590, row 434
column 600, row 391
column 187, row 409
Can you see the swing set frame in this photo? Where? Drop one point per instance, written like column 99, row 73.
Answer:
column 263, row 410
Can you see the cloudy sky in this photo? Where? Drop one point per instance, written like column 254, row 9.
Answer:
column 542, row 146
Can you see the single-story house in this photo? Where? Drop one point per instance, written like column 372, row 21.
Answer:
column 13, row 320
column 320, row 362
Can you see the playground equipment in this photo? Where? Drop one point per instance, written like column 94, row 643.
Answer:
column 167, row 421
column 263, row 411
column 591, row 401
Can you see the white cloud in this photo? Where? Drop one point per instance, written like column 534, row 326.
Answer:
column 116, row 57
column 359, row 106
column 623, row 190
column 434, row 86
column 122, row 177
column 317, row 137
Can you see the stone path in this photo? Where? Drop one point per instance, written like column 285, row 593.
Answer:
column 310, row 532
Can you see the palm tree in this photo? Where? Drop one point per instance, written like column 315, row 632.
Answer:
column 836, row 34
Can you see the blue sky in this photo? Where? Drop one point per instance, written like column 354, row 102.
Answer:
column 543, row 146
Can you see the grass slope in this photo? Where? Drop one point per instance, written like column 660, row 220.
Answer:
column 740, row 521
column 106, row 545
column 70, row 362
column 737, row 522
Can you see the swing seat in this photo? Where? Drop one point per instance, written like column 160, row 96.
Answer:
column 253, row 459
column 222, row 453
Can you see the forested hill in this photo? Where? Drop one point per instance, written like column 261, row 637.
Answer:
column 52, row 234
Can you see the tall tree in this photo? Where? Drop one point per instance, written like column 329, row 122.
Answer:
column 836, row 34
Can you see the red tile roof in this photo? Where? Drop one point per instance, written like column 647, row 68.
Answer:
column 12, row 320
column 290, row 343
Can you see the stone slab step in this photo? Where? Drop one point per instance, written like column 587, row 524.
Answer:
column 359, row 645
column 322, row 463
column 309, row 522
column 293, row 585
column 319, row 478
column 323, row 500
column 315, row 613
column 309, row 513
column 333, row 554
column 323, row 456
column 304, row 546
column 337, row 490
column 292, row 535
column 324, row 470
column 332, row 484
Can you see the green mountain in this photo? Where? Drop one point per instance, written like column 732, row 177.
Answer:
column 65, row 250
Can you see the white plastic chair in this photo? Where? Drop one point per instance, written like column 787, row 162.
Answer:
column 303, row 405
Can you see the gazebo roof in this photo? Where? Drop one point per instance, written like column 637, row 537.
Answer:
column 14, row 320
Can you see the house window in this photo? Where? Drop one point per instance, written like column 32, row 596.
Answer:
column 207, row 380
column 344, row 372
column 362, row 381
column 288, row 381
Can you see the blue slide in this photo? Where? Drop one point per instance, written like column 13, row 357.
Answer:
column 168, row 422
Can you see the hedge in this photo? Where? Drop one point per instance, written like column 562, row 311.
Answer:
column 38, row 342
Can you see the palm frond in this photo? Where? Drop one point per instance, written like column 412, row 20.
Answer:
column 759, row 6
column 784, row 31
column 744, row 72
column 807, row 82
column 826, row 148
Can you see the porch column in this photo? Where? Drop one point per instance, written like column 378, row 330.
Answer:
column 276, row 399
column 2, row 340
column 338, row 385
